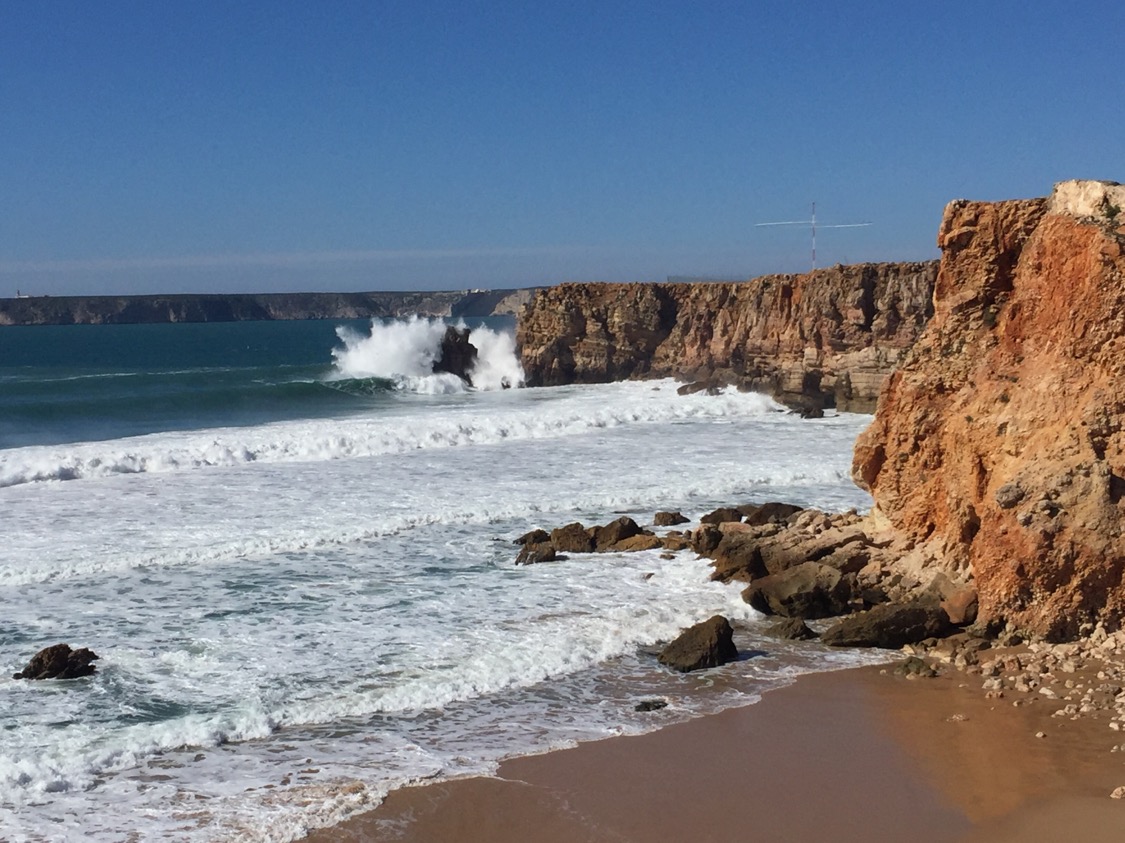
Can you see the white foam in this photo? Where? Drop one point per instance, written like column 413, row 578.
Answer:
column 408, row 429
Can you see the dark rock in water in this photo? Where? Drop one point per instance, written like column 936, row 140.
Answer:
column 573, row 538
column 808, row 590
column 707, row 387
column 458, row 355
column 614, row 532
column 767, row 513
column 650, row 705
column 723, row 513
column 533, row 554
column 668, row 519
column 707, row 644
column 533, row 537
column 890, row 626
column 791, row 629
column 59, row 662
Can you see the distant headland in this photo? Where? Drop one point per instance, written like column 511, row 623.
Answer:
column 239, row 307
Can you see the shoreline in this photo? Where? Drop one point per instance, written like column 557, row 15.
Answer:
column 856, row 754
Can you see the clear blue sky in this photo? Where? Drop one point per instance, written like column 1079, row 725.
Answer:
column 254, row 146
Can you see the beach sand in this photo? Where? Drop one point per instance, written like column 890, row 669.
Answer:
column 846, row 756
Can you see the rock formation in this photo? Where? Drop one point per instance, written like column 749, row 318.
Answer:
column 830, row 337
column 458, row 355
column 59, row 661
column 709, row 643
column 998, row 447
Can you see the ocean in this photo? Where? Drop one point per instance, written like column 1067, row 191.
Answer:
column 292, row 548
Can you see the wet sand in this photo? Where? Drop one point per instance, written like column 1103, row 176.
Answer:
column 857, row 755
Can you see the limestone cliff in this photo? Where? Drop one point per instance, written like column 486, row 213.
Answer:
column 998, row 446
column 235, row 307
column 831, row 335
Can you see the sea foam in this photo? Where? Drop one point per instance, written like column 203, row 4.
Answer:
column 404, row 351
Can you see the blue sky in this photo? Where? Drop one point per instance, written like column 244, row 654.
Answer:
column 257, row 146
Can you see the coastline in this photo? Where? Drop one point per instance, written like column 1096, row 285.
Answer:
column 857, row 754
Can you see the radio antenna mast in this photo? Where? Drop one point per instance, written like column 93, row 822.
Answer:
column 811, row 223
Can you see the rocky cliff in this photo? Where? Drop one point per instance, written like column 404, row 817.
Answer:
column 829, row 337
column 99, row 310
column 998, row 450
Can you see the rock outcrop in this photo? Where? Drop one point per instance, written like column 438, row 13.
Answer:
column 59, row 661
column 458, row 356
column 998, row 447
column 829, row 337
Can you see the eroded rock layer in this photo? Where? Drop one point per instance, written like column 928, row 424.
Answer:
column 998, row 445
column 831, row 336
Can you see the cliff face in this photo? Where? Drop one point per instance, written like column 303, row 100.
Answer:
column 998, row 445
column 831, row 336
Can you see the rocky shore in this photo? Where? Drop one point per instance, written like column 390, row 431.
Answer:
column 996, row 458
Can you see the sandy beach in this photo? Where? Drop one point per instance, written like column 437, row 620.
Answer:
column 848, row 756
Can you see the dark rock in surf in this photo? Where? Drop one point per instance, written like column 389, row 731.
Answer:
column 573, row 538
column 650, row 705
column 720, row 515
column 668, row 519
column 536, row 536
column 707, row 644
column 458, row 355
column 614, row 532
column 59, row 662
column 533, row 554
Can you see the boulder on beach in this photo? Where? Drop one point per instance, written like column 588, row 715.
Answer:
column 890, row 626
column 707, row 644
column 59, row 662
column 665, row 518
column 808, row 590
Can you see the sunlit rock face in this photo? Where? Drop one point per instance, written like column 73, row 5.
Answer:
column 831, row 336
column 997, row 448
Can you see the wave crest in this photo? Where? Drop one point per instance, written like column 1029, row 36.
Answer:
column 404, row 352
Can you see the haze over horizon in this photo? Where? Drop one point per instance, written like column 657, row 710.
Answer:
column 260, row 147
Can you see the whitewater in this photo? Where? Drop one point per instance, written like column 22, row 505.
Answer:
column 292, row 547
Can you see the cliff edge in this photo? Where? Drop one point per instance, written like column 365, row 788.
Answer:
column 829, row 337
column 997, row 449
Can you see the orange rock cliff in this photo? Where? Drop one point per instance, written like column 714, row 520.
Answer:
column 997, row 450
column 829, row 337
